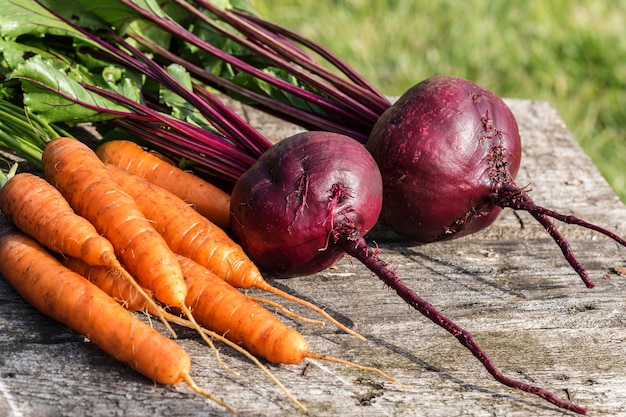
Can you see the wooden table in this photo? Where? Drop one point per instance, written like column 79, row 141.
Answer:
column 509, row 285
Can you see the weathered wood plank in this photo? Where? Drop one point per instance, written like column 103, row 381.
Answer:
column 508, row 285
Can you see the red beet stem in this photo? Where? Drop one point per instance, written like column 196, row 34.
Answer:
column 356, row 246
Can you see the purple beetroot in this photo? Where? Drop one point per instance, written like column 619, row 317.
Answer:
column 449, row 151
column 288, row 209
column 312, row 197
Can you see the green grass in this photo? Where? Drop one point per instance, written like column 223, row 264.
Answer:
column 571, row 54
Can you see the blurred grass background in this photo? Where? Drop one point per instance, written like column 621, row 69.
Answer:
column 571, row 54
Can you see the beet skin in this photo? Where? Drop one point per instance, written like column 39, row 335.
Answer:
column 288, row 207
column 444, row 149
column 449, row 151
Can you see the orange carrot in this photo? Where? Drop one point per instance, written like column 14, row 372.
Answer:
column 112, row 284
column 225, row 310
column 210, row 297
column 87, row 184
column 126, row 295
column 194, row 236
column 209, row 200
column 39, row 210
column 65, row 296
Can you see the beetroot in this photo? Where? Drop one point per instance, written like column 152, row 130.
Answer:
column 313, row 196
column 449, row 151
column 287, row 208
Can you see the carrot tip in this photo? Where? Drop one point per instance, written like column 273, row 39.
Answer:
column 190, row 382
column 357, row 366
column 269, row 288
column 286, row 311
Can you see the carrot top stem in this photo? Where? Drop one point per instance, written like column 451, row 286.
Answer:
column 6, row 177
column 24, row 132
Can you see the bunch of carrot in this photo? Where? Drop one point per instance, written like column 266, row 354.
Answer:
column 140, row 247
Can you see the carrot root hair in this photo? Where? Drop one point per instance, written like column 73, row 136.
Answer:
column 286, row 311
column 114, row 264
column 327, row 358
column 183, row 322
column 187, row 312
column 263, row 285
column 192, row 384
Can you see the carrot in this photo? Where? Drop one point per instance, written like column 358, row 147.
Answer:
column 112, row 284
column 39, row 210
column 126, row 295
column 87, row 184
column 209, row 200
column 194, row 236
column 65, row 296
column 223, row 309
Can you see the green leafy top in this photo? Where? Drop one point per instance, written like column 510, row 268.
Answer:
column 44, row 52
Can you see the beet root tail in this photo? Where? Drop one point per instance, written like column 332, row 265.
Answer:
column 509, row 195
column 357, row 247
